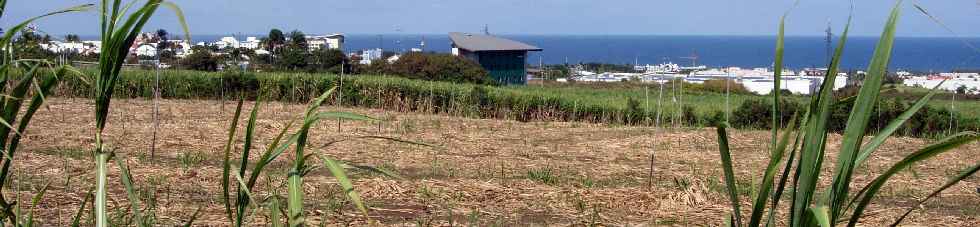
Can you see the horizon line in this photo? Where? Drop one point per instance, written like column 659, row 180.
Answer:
column 573, row 34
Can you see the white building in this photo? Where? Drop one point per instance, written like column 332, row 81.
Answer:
column 181, row 48
column 227, row 42
column 334, row 41
column 954, row 81
column 369, row 56
column 147, row 50
column 394, row 58
column 85, row 47
column 250, row 43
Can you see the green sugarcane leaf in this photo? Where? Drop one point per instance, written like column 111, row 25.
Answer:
column 869, row 192
column 34, row 201
column 249, row 137
column 194, row 217
column 765, row 187
column 344, row 116
column 728, row 168
column 962, row 176
column 131, row 193
column 820, row 216
column 893, row 126
column 777, row 195
column 180, row 18
column 345, row 183
column 274, row 212
column 8, row 37
column 270, row 155
column 226, row 163
column 77, row 219
column 860, row 116
column 816, row 136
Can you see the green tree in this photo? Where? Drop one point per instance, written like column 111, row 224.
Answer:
column 201, row 59
column 163, row 41
column 293, row 58
column 328, row 60
column 72, row 38
column 961, row 90
column 28, row 46
column 297, row 39
column 275, row 40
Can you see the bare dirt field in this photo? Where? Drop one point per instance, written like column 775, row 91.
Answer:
column 481, row 172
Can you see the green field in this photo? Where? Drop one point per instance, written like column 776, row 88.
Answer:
column 697, row 105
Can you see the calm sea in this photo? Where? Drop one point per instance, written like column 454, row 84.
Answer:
column 910, row 53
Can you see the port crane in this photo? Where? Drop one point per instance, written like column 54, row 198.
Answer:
column 694, row 59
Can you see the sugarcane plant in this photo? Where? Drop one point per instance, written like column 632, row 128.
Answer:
column 119, row 29
column 238, row 209
column 33, row 79
column 838, row 205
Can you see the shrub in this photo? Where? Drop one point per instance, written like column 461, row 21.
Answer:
column 722, row 86
column 202, row 59
column 756, row 113
column 440, row 67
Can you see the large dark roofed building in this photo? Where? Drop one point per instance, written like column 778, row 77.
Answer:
column 504, row 59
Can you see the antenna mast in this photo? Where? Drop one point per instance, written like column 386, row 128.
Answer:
column 829, row 41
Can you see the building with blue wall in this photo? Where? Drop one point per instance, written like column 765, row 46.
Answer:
column 504, row 59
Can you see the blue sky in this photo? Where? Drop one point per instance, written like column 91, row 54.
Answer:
column 605, row 17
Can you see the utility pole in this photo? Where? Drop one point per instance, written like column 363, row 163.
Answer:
column 156, row 108
column 340, row 92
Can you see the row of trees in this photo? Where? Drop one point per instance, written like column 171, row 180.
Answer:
column 283, row 52
column 291, row 52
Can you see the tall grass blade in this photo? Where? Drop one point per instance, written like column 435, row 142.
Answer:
column 34, row 201
column 133, row 196
column 294, row 186
column 344, row 116
column 270, row 154
column 5, row 41
column 77, row 219
column 3, row 7
column 249, row 132
column 857, row 122
column 726, row 162
column 820, row 216
column 345, row 183
column 197, row 213
column 963, row 175
column 244, row 189
column 765, row 187
column 226, row 164
column 180, row 18
column 893, row 126
column 815, row 138
column 924, row 154
column 38, row 100
column 777, row 195
column 116, row 41
column 777, row 79
column 274, row 211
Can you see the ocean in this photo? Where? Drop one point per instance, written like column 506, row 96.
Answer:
column 910, row 53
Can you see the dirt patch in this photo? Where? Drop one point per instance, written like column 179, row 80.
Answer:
column 481, row 171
